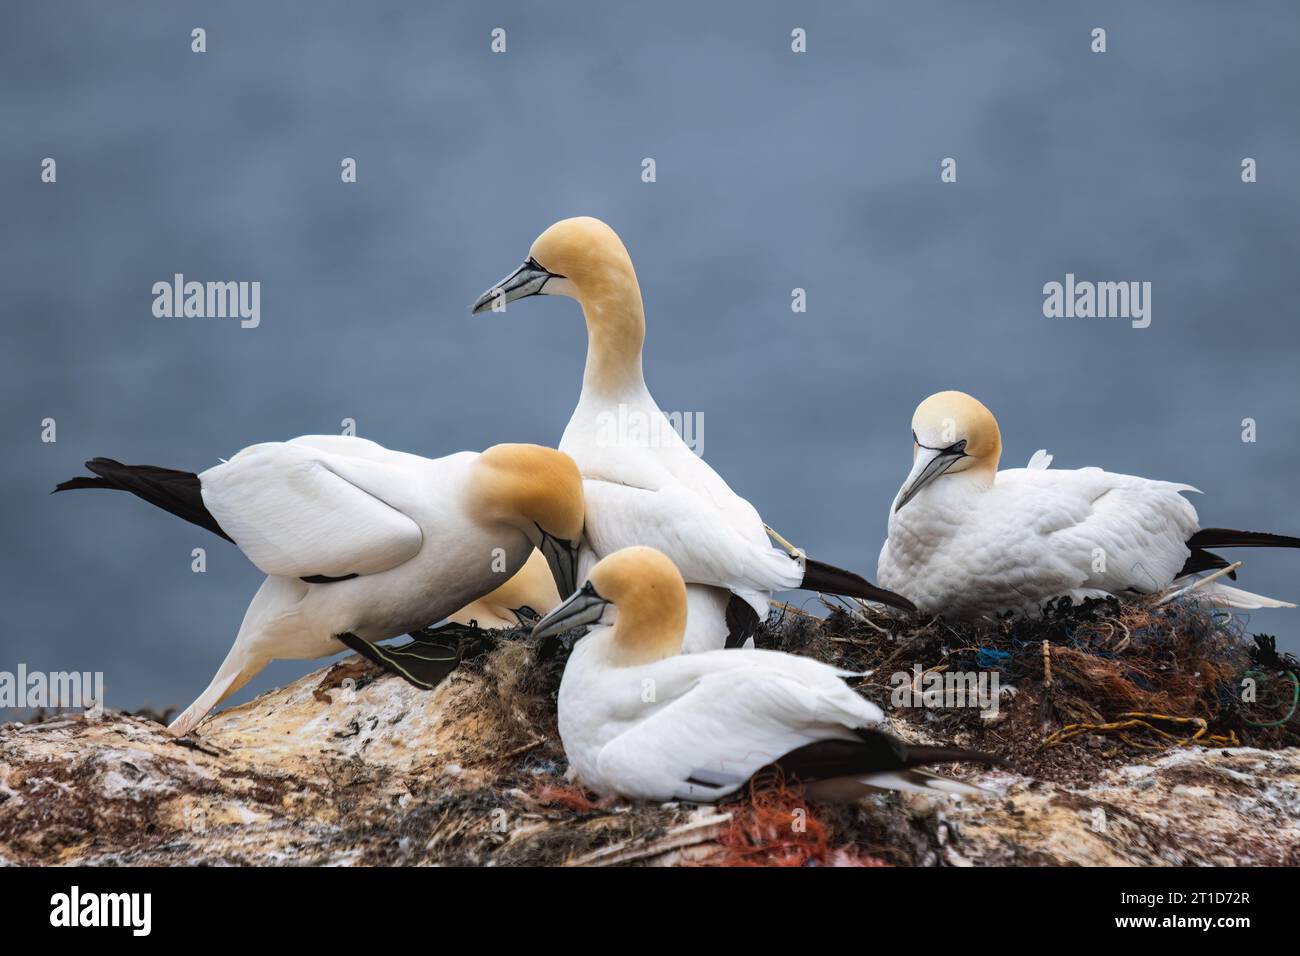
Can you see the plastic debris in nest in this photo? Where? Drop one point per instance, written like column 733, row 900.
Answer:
column 773, row 825
column 1150, row 674
column 1151, row 724
column 1272, row 683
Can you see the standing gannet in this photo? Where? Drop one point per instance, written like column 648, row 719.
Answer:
column 640, row 719
column 967, row 539
column 360, row 543
column 643, row 485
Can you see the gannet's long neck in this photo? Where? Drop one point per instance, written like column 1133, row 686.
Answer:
column 615, row 334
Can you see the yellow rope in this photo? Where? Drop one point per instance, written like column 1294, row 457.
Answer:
column 1134, row 719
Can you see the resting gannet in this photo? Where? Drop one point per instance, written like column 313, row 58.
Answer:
column 640, row 719
column 532, row 589
column 966, row 539
column 360, row 543
column 643, row 485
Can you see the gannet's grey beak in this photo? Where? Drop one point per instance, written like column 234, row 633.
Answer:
column 584, row 606
column 562, row 557
column 529, row 279
column 930, row 464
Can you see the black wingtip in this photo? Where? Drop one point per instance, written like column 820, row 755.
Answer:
column 829, row 579
column 908, row 755
column 177, row 492
column 82, row 481
column 102, row 469
column 1201, row 560
column 1231, row 538
column 875, row 751
column 919, row 755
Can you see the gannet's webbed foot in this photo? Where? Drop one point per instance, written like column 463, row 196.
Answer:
column 448, row 633
column 424, row 662
column 470, row 639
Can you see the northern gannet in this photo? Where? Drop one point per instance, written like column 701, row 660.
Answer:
column 532, row 589
column 643, row 485
column 640, row 719
column 966, row 539
column 360, row 543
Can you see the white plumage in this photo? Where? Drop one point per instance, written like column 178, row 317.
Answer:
column 296, row 510
column 717, row 718
column 961, row 549
column 965, row 539
column 356, row 539
column 641, row 720
column 643, row 484
column 673, row 501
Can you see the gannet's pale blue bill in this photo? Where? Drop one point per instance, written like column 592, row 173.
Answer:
column 529, row 279
column 584, row 606
column 929, row 468
column 562, row 557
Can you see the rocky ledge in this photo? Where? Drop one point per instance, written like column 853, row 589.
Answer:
column 348, row 766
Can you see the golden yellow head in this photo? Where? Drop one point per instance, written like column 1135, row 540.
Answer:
column 530, row 485
column 952, row 433
column 580, row 257
column 649, row 596
column 538, row 491
column 586, row 253
column 646, row 587
column 583, row 258
column 949, row 417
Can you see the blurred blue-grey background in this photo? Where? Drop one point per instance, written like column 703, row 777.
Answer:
column 775, row 171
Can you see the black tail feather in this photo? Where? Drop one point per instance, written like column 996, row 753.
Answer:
column 1201, row 559
column 82, row 481
column 177, row 492
column 874, row 752
column 1228, row 538
column 832, row 580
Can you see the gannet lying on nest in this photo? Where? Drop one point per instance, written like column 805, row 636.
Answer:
column 640, row 719
column 967, row 539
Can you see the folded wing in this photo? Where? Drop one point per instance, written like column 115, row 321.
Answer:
column 676, row 521
column 297, row 511
column 706, row 741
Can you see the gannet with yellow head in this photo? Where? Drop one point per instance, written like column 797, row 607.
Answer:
column 360, row 543
column 532, row 589
column 966, row 539
column 640, row 719
column 643, row 484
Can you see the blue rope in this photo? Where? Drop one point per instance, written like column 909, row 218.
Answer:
column 989, row 658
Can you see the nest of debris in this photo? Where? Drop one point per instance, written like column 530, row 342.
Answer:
column 769, row 823
column 1095, row 684
column 1087, row 683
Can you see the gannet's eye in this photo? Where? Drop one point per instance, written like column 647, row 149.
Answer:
column 530, row 261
